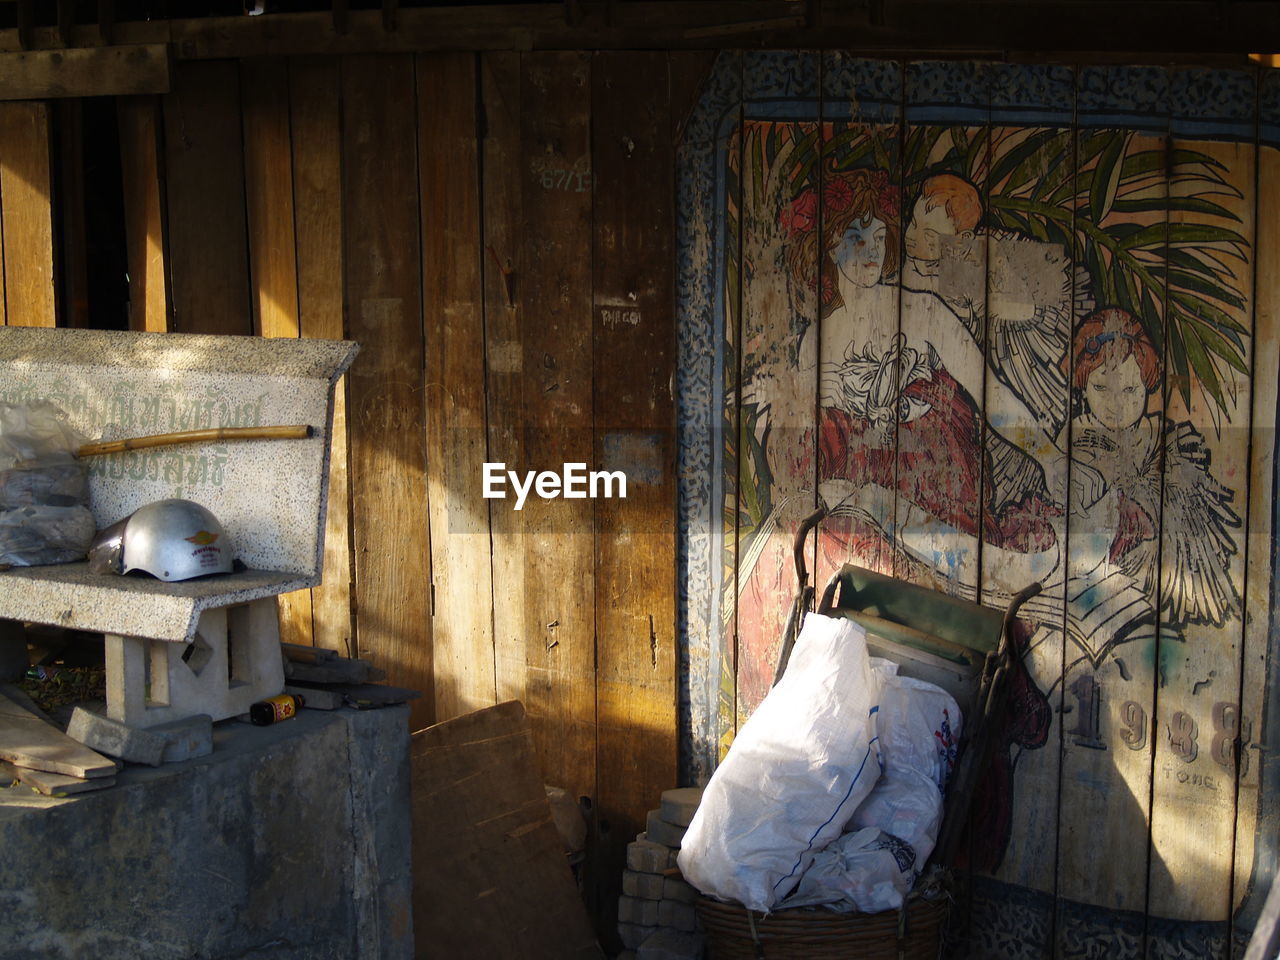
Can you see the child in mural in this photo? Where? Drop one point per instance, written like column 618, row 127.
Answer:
column 1121, row 450
column 1017, row 292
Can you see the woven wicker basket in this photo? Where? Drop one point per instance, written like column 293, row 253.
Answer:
column 735, row 933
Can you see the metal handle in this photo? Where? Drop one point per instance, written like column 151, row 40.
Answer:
column 797, row 545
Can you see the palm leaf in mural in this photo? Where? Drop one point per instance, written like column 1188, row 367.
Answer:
column 1125, row 225
column 1112, row 206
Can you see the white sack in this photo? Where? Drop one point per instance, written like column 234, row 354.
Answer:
column 799, row 767
column 866, row 870
column 919, row 726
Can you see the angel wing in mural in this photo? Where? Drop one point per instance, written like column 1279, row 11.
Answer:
column 1196, row 586
column 1023, row 304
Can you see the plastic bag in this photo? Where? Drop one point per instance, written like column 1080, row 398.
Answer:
column 44, row 490
column 31, row 536
column 797, row 770
column 867, row 870
column 919, row 726
column 35, row 431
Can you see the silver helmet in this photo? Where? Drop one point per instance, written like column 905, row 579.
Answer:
column 169, row 539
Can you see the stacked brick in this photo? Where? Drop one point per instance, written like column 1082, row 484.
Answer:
column 656, row 918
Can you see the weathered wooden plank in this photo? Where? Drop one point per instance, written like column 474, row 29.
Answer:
column 558, row 631
column 489, row 873
column 634, row 343
column 503, row 276
column 116, row 71
column 139, row 123
column 204, row 172
column 27, row 741
column 462, row 628
column 862, row 117
column 25, row 204
column 940, row 353
column 386, row 385
column 1024, row 779
column 1202, row 538
column 317, row 215
column 1109, row 672
column 779, row 369
column 273, row 264
column 1252, row 826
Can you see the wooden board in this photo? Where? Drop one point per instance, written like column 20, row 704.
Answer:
column 385, row 384
column 634, row 341
column 490, row 878
column 54, row 784
column 25, row 205
column 314, row 93
column 1193, row 803
column 1027, row 162
column 1250, row 846
column 778, row 389
column 1109, row 670
column 502, row 271
column 139, row 122
column 862, row 131
column 940, row 355
column 204, row 177
column 26, row 740
column 452, row 255
column 103, row 71
column 557, row 634
column 273, row 264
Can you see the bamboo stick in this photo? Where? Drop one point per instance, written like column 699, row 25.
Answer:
column 295, row 432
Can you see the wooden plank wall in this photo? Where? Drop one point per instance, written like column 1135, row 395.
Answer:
column 1060, row 370
column 497, row 231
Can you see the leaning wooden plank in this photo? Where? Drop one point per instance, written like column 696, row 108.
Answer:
column 85, row 72
column 27, row 741
column 490, row 878
column 386, row 384
column 55, row 784
column 27, row 211
column 456, row 448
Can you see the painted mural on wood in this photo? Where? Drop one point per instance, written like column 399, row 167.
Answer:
column 999, row 321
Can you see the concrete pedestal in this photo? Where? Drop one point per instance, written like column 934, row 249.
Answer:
column 288, row 842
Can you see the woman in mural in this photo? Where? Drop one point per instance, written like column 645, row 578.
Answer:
column 895, row 424
column 1121, row 448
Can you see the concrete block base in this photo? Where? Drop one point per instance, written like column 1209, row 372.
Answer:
column 289, row 841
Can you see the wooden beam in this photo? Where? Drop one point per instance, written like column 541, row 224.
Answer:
column 1191, row 28
column 101, row 71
